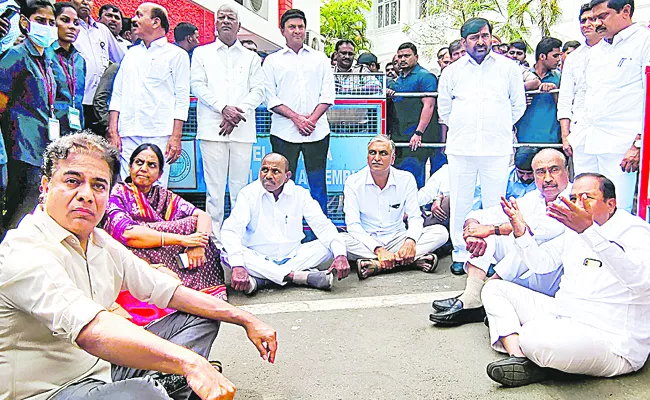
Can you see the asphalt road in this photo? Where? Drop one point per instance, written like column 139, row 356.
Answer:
column 373, row 340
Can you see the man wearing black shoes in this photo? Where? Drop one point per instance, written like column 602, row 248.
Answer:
column 597, row 323
column 487, row 234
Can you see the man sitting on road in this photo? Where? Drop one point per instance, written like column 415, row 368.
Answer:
column 487, row 234
column 376, row 200
column 58, row 276
column 597, row 323
column 262, row 236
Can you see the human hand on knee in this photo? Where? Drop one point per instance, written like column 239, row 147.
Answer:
column 406, row 253
column 240, row 280
column 342, row 267
column 386, row 258
column 475, row 246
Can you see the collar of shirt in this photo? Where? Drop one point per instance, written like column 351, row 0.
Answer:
column 32, row 49
column 221, row 45
column 160, row 42
column 287, row 190
column 60, row 50
column 92, row 24
column 413, row 72
column 489, row 57
column 389, row 183
column 550, row 73
column 303, row 49
column 623, row 34
column 59, row 233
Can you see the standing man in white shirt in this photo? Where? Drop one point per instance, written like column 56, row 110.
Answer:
column 262, row 236
column 151, row 93
column 615, row 94
column 571, row 101
column 481, row 96
column 597, row 323
column 227, row 79
column 98, row 46
column 376, row 200
column 299, row 86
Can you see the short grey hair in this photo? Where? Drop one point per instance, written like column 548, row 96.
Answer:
column 229, row 8
column 85, row 142
column 385, row 139
column 549, row 152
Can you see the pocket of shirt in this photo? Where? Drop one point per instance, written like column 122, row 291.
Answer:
column 157, row 75
column 293, row 228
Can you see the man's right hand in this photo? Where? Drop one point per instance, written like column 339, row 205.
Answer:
column 477, row 231
column 304, row 125
column 4, row 27
column 436, row 208
column 233, row 114
column 114, row 137
column 264, row 338
column 390, row 92
column 475, row 246
column 386, row 258
column 208, row 383
column 566, row 146
column 226, row 128
column 511, row 209
column 239, row 279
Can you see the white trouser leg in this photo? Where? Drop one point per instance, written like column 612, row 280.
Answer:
column 431, row 239
column 462, row 183
column 624, row 182
column 239, row 168
column 356, row 249
column 130, row 143
column 493, row 173
column 508, row 306
column 583, row 162
column 215, row 171
column 310, row 255
column 497, row 248
column 570, row 346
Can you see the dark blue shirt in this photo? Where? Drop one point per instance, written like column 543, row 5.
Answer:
column 539, row 123
column 408, row 110
column 25, row 119
column 75, row 66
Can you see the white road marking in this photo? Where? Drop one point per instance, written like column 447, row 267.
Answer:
column 352, row 303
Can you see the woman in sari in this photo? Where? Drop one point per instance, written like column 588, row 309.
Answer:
column 162, row 228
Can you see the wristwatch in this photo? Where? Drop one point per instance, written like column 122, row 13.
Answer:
column 496, row 230
column 419, row 133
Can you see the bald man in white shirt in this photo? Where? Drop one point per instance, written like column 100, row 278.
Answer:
column 597, row 323
column 263, row 234
column 376, row 200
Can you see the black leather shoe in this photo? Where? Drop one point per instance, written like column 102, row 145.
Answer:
column 516, row 371
column 457, row 315
column 457, row 268
column 445, row 304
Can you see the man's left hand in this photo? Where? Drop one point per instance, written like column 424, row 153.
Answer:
column 196, row 257
column 415, row 142
column 226, row 128
column 174, row 149
column 406, row 253
column 342, row 267
column 264, row 338
column 631, row 160
column 577, row 216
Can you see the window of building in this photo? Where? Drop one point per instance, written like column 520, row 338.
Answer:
column 387, row 12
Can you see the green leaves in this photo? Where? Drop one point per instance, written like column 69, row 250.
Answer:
column 344, row 19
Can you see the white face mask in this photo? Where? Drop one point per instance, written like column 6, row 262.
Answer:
column 42, row 35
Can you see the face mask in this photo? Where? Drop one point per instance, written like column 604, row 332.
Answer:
column 42, row 35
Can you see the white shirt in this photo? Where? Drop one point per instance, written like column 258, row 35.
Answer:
column 615, row 92
column 274, row 228
column 301, row 82
column 97, row 46
column 612, row 293
column 436, row 185
column 571, row 101
column 49, row 291
column 480, row 104
column 374, row 216
column 226, row 76
column 124, row 44
column 152, row 89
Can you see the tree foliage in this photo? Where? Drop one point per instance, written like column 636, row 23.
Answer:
column 344, row 19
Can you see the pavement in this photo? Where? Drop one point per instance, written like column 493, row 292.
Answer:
column 373, row 340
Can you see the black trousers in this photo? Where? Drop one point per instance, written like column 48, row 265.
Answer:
column 23, row 191
column 314, row 155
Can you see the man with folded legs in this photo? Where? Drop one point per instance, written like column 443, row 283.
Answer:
column 262, row 237
column 376, row 200
column 487, row 234
column 58, row 276
column 597, row 322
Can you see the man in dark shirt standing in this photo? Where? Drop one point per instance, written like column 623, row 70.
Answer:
column 186, row 36
column 414, row 115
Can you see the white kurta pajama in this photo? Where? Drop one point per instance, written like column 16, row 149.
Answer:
column 264, row 235
column 480, row 104
column 225, row 76
column 598, row 323
column 613, row 113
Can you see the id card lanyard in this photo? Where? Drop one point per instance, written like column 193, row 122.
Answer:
column 53, row 127
column 74, row 115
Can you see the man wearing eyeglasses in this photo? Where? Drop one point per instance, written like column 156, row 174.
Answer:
column 487, row 234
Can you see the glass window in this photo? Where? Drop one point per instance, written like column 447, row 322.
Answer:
column 380, row 16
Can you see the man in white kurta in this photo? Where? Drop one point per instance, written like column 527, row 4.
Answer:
column 487, row 233
column 376, row 200
column 608, row 138
column 481, row 96
column 151, row 93
column 571, row 100
column 597, row 323
column 227, row 79
column 263, row 234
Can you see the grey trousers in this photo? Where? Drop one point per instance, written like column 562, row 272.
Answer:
column 190, row 331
